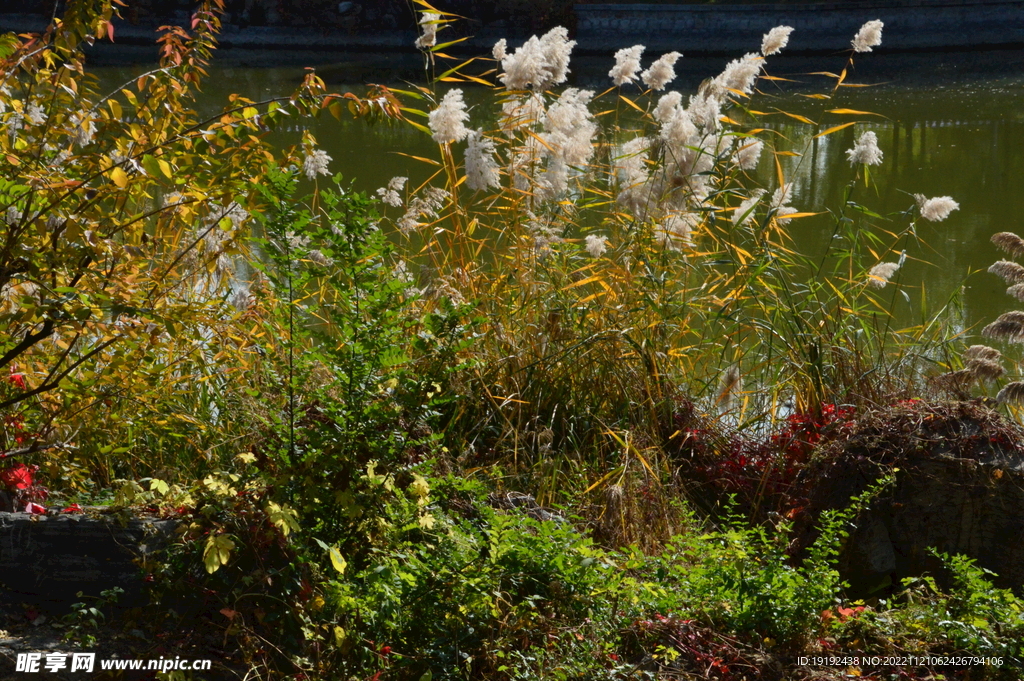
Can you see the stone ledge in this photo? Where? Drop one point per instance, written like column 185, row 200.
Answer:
column 46, row 560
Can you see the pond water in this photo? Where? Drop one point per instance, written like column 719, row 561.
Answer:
column 948, row 124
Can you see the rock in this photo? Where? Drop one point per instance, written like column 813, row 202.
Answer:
column 45, row 560
column 959, row 488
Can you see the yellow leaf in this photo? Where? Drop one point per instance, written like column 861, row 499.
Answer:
column 419, row 158
column 165, row 167
column 582, row 282
column 337, row 561
column 119, row 177
column 339, row 635
column 853, row 112
column 833, row 129
column 794, row 216
column 629, row 101
column 802, row 119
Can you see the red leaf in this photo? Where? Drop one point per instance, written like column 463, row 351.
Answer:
column 34, row 508
column 18, row 476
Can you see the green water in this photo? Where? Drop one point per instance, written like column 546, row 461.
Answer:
column 948, row 125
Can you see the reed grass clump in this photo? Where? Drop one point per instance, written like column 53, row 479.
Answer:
column 629, row 250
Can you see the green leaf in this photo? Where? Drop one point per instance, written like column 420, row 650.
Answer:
column 217, row 552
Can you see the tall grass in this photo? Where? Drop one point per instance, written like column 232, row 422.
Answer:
column 645, row 267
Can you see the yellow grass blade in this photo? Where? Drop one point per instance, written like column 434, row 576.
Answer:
column 802, row 119
column 633, row 104
column 418, row 158
column 583, row 282
column 853, row 112
column 833, row 129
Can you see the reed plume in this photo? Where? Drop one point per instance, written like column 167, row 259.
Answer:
column 1011, row 272
column 1009, row 243
column 1012, row 393
column 985, row 369
column 1009, row 325
column 730, row 388
column 1017, row 291
column 982, row 352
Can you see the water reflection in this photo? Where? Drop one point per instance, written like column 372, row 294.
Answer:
column 955, row 136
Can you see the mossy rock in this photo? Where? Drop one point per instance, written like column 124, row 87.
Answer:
column 959, row 488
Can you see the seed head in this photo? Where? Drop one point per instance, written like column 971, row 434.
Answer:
column 985, row 369
column 775, row 40
column 869, row 35
column 1011, row 272
column 1009, row 325
column 982, row 352
column 627, row 63
column 1012, row 393
column 879, row 275
column 865, row 150
column 1009, row 243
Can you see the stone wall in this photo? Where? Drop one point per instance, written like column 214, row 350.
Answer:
column 820, row 27
column 46, row 560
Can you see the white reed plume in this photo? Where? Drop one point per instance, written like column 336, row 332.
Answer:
column 481, row 168
column 426, row 205
column 865, row 150
column 428, row 23
column 781, row 196
column 557, row 49
column 676, row 231
column 540, row 63
column 661, row 72
column 571, row 128
column 775, row 40
column 447, row 121
column 627, row 64
column 706, row 111
column 630, row 166
column 741, row 74
column 389, row 194
column 667, row 105
column 936, row 209
column 869, row 35
column 748, row 153
column 522, row 111
column 879, row 275
column 316, row 163
column 498, row 51
column 678, row 132
column 745, row 212
column 596, row 245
